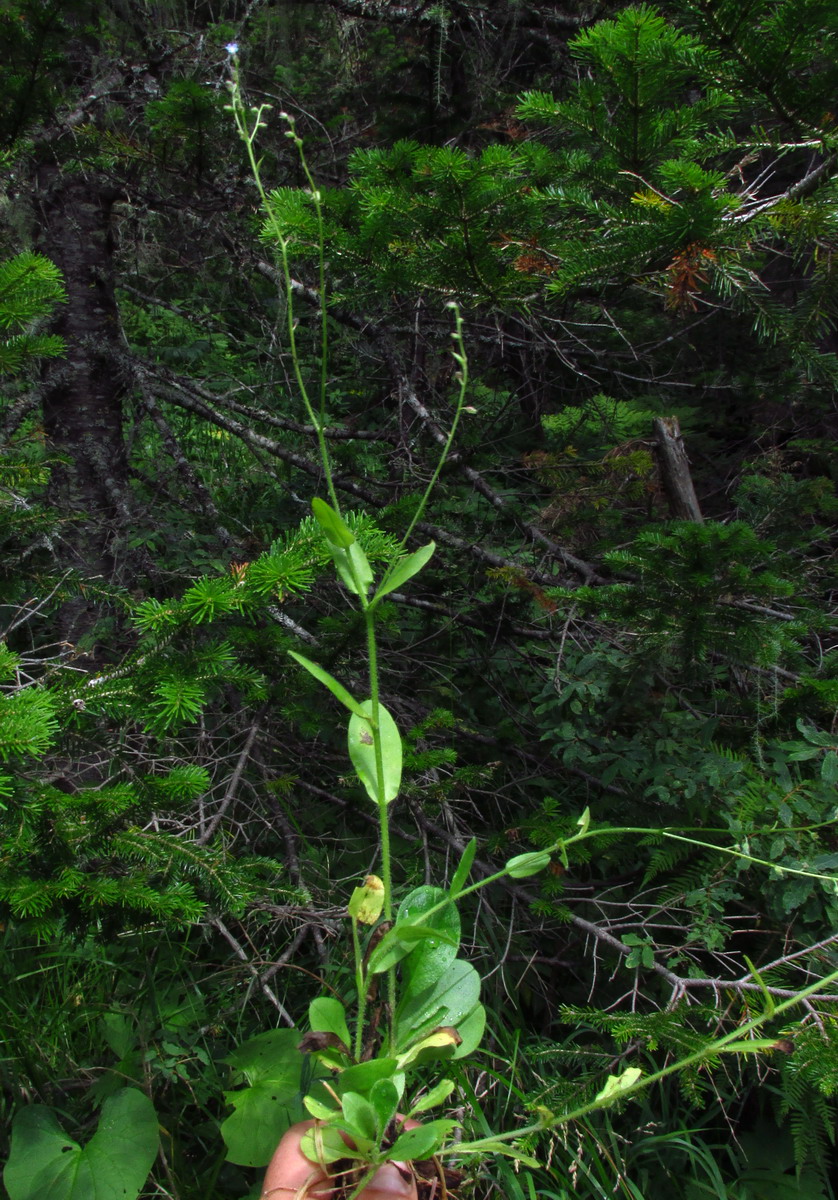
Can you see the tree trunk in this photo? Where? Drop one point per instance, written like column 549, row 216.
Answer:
column 82, row 392
column 675, row 469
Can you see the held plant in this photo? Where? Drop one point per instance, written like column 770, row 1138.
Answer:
column 416, row 1001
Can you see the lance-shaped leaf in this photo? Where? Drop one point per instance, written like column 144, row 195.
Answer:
column 354, row 569
column 404, row 570
column 362, row 752
column 437, row 1095
column 337, row 689
column 332, row 523
column 463, row 868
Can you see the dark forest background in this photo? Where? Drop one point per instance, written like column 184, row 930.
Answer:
column 632, row 606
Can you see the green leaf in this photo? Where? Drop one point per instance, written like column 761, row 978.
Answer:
column 446, row 1002
column 402, row 940
column 362, row 1077
column 437, row 1095
column 359, row 1117
column 463, row 868
column 389, row 951
column 616, row 1085
column 384, row 1097
column 471, row 1030
column 337, row 689
column 829, row 767
column 272, row 1065
column 327, row 1015
column 362, row 752
column 523, row 865
column 421, row 1142
column 333, row 525
column 354, row 569
column 114, row 1164
column 431, row 958
column 318, row 1110
column 404, row 570
column 749, row 1046
column 487, row 1146
column 325, row 1144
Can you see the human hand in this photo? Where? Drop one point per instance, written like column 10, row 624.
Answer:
column 291, row 1176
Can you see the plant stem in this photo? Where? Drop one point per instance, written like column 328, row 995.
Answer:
column 242, row 116
column 706, row 1052
column 383, row 808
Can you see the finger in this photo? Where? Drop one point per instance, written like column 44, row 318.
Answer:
column 393, row 1181
column 289, row 1171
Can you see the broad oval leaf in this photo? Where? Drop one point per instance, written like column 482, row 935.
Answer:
column 446, row 1002
column 421, row 1142
column 363, row 1076
column 432, row 957
column 359, row 1117
column 362, row 752
column 327, row 1015
column 384, row 1097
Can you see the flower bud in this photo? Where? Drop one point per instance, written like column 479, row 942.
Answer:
column 366, row 902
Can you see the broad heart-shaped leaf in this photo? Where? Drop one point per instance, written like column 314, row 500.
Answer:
column 362, row 752
column 448, row 1001
column 337, row 689
column 404, row 570
column 273, row 1066
column 333, row 525
column 114, row 1164
column 431, row 957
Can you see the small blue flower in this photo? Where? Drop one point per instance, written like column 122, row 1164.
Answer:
column 232, row 47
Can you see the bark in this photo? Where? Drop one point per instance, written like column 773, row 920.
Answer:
column 82, row 393
column 675, row 470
